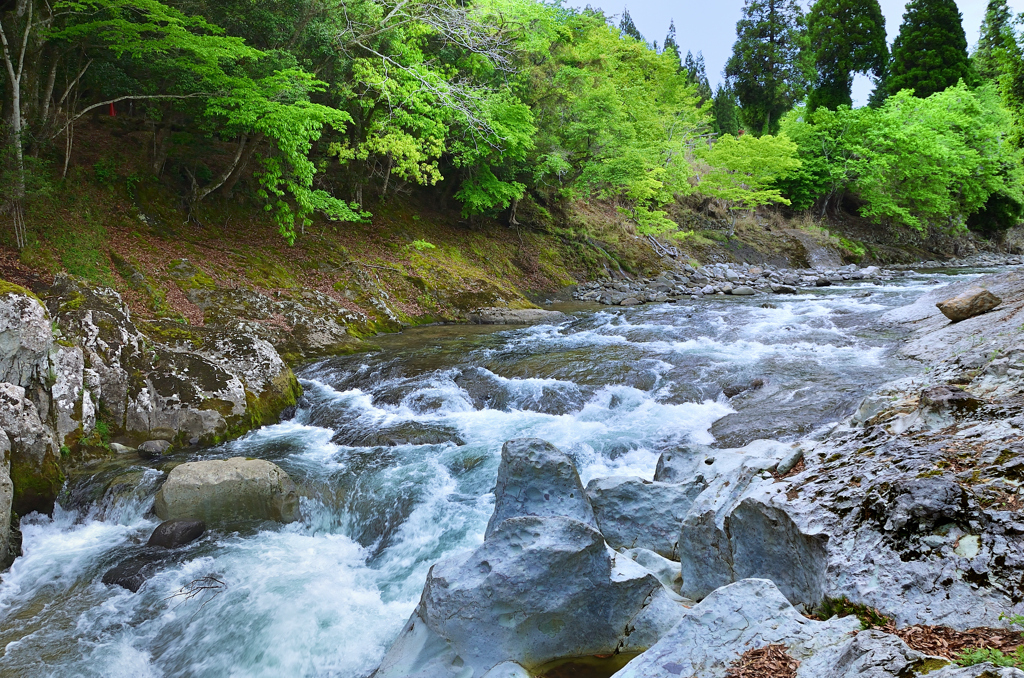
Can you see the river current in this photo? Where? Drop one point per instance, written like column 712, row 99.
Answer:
column 396, row 451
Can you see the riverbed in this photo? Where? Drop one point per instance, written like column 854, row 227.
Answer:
column 395, row 451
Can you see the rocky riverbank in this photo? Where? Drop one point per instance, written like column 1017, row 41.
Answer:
column 909, row 509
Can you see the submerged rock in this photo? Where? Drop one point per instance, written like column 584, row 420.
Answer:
column 968, row 305
column 536, row 479
column 132, row 573
column 224, row 491
column 514, row 316
column 171, row 534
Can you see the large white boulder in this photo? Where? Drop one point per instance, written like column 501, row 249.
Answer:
column 228, row 490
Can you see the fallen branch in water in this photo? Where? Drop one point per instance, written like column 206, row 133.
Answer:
column 207, row 588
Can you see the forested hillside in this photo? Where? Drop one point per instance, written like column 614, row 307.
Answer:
column 556, row 122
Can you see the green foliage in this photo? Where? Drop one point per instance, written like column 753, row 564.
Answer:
column 996, row 35
column 912, row 162
column 628, row 28
column 769, row 67
column 992, row 656
column 847, row 36
column 697, row 74
column 745, row 170
column 930, row 52
column 725, row 113
column 423, row 245
column 869, row 617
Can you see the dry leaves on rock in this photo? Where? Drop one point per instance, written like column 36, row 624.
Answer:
column 772, row 661
column 941, row 641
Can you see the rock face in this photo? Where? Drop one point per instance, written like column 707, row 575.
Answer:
column 514, row 316
column 634, row 513
column 542, row 586
column 968, row 305
column 535, row 478
column 6, row 501
column 171, row 534
column 34, row 452
column 224, row 491
column 25, row 339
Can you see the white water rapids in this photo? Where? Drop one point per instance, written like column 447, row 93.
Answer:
column 325, row 596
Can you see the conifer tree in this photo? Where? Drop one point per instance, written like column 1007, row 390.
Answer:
column 769, row 67
column 847, row 36
column 670, row 40
column 628, row 28
column 930, row 53
column 726, row 115
column 696, row 73
column 996, row 35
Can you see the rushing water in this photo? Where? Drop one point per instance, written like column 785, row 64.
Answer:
column 324, row 597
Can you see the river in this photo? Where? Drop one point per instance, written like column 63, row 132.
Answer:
column 395, row 451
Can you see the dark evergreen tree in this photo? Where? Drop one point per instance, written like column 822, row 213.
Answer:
column 670, row 40
column 724, row 111
column 847, row 37
column 696, row 73
column 996, row 37
column 628, row 28
column 769, row 66
column 930, row 53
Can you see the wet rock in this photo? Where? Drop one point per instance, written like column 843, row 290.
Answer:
column 132, row 573
column 822, row 282
column 742, row 291
column 634, row 513
column 152, row 449
column 171, row 534
column 535, row 478
column 224, row 491
column 6, row 500
column 968, row 305
column 742, row 616
column 733, row 390
column 118, row 448
column 407, row 433
column 538, row 589
column 630, row 301
column 514, row 316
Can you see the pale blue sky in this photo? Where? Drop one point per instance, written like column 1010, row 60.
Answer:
column 709, row 26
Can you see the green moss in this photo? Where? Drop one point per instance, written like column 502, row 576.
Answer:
column 11, row 288
column 172, row 333
column 35, row 489
column 842, row 607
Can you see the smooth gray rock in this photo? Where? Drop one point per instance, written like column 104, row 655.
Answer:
column 223, row 491
column 151, row 449
column 745, row 615
column 538, row 589
column 742, row 291
column 536, row 479
column 636, row 513
column 508, row 670
column 171, row 534
column 514, row 316
column 667, row 571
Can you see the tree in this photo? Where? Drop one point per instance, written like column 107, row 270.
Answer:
column 769, row 68
column 847, row 36
column 745, row 171
column 996, row 36
column 930, row 53
column 697, row 74
column 670, row 46
column 724, row 112
column 628, row 28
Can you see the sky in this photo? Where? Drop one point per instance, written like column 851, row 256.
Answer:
column 709, row 26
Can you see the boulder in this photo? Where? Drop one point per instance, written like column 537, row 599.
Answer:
column 630, row 301
column 153, row 449
column 538, row 589
column 535, row 478
column 171, row 534
column 224, row 491
column 636, row 513
column 969, row 304
column 746, row 615
column 514, row 316
column 742, row 291
column 132, row 573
